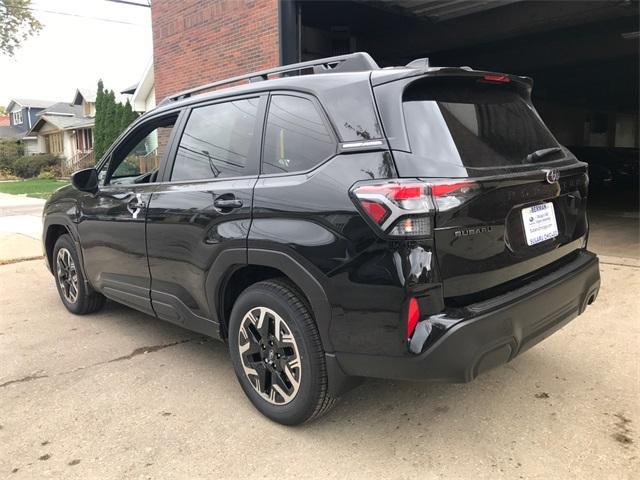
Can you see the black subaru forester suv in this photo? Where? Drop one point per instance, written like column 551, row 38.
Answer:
column 347, row 222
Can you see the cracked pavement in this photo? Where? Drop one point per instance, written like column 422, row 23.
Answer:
column 120, row 395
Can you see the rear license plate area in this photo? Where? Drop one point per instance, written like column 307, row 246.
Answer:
column 539, row 222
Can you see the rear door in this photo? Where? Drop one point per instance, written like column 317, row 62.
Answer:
column 202, row 207
column 517, row 201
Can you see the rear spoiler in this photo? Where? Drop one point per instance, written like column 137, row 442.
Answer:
column 389, row 85
column 417, row 70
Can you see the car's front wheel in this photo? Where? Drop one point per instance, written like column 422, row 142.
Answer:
column 277, row 353
column 76, row 295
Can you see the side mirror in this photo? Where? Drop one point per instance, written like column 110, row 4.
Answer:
column 85, row 180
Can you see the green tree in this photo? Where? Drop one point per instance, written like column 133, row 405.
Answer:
column 112, row 118
column 17, row 23
column 127, row 116
column 98, row 129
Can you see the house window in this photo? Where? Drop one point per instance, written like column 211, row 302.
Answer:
column 17, row 117
column 84, row 139
column 54, row 143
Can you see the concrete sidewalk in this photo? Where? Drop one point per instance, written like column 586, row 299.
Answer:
column 20, row 227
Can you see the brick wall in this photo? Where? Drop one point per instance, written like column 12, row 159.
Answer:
column 200, row 41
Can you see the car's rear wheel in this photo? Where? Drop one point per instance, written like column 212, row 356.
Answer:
column 76, row 295
column 277, row 353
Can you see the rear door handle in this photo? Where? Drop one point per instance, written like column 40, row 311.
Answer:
column 227, row 203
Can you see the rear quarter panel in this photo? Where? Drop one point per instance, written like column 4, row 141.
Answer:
column 311, row 218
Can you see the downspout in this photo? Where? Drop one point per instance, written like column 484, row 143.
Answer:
column 299, row 24
column 288, row 19
column 29, row 115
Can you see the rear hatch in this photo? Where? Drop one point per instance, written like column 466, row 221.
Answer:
column 511, row 200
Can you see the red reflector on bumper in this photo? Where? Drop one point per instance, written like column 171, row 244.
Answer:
column 413, row 315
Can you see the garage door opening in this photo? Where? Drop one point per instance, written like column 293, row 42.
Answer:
column 583, row 57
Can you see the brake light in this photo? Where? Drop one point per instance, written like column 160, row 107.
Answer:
column 413, row 315
column 399, row 208
column 442, row 189
column 496, row 78
column 395, row 191
column 405, row 208
column 376, row 211
column 448, row 195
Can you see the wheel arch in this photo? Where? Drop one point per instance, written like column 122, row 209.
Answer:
column 53, row 229
column 234, row 270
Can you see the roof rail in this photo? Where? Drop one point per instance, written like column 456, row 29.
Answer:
column 352, row 62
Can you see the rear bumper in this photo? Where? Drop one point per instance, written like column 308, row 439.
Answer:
column 494, row 331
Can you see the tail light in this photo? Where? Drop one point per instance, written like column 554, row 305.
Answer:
column 405, row 208
column 399, row 208
column 448, row 195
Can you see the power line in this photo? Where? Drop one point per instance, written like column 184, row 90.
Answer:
column 126, row 2
column 55, row 12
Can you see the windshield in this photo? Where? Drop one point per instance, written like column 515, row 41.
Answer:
column 473, row 124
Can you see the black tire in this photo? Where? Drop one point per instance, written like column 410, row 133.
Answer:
column 311, row 399
column 86, row 300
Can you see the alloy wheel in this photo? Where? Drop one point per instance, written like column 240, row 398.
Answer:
column 67, row 275
column 269, row 355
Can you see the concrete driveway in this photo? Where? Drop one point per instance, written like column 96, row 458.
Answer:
column 120, row 395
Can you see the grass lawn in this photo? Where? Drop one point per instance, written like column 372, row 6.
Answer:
column 35, row 187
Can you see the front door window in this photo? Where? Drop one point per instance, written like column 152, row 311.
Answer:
column 137, row 159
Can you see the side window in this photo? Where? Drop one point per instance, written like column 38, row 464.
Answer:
column 216, row 141
column 140, row 154
column 296, row 138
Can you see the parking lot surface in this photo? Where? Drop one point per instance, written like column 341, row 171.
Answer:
column 120, row 395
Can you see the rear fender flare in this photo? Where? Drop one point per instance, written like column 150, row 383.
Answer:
column 231, row 259
column 305, row 281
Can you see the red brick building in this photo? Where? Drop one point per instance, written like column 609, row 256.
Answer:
column 573, row 50
column 581, row 54
column 200, row 41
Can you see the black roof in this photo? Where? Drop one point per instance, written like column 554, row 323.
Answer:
column 352, row 112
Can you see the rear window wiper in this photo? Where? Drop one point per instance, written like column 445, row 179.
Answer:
column 540, row 154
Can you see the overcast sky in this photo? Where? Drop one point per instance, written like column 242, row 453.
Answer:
column 93, row 39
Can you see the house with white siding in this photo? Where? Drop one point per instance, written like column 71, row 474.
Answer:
column 87, row 100
column 143, row 93
column 64, row 130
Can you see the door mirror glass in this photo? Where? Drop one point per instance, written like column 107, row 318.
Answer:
column 85, row 180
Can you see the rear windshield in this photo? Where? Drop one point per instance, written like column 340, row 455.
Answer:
column 473, row 124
